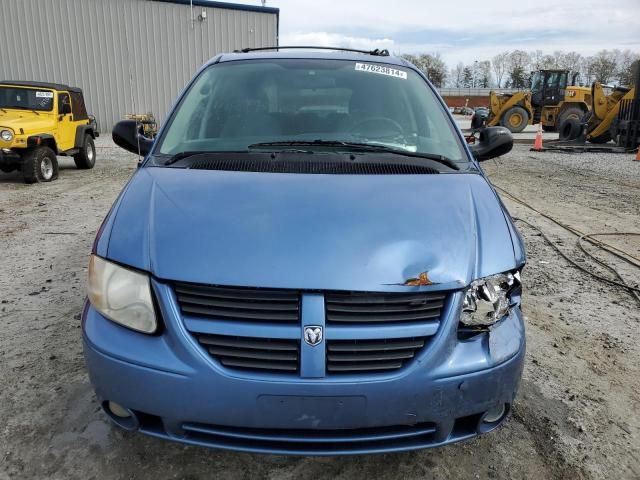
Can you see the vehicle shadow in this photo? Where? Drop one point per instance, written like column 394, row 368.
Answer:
column 15, row 177
column 11, row 177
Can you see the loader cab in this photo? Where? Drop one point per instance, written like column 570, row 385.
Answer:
column 548, row 87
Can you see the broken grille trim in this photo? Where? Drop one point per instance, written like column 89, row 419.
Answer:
column 390, row 308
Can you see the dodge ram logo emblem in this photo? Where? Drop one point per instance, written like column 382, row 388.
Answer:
column 313, row 335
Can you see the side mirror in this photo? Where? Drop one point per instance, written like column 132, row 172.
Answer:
column 493, row 142
column 66, row 109
column 127, row 135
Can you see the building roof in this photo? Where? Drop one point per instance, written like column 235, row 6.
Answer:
column 226, row 5
column 52, row 86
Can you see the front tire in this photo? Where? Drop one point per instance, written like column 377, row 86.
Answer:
column 571, row 113
column 39, row 165
column 515, row 119
column 86, row 157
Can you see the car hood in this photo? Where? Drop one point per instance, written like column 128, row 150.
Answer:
column 347, row 232
column 26, row 120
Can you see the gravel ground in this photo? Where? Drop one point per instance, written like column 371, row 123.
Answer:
column 575, row 417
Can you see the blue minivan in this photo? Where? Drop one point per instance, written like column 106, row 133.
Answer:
column 310, row 261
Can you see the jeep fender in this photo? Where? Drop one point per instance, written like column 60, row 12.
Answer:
column 43, row 139
column 81, row 131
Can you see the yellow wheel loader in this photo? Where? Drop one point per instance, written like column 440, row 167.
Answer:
column 551, row 101
column 603, row 122
column 612, row 116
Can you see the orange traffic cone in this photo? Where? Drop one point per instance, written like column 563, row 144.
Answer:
column 637, row 159
column 537, row 145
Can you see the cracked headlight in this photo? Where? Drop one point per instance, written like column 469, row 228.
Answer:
column 121, row 295
column 6, row 135
column 487, row 300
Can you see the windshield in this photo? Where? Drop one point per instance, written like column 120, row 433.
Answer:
column 536, row 82
column 234, row 105
column 26, row 98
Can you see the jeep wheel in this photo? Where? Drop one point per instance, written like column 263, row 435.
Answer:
column 86, row 157
column 39, row 165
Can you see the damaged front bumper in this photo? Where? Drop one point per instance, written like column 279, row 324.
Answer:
column 174, row 391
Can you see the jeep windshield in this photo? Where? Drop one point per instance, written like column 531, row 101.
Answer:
column 26, row 98
column 315, row 105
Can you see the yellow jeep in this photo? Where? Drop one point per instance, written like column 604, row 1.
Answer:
column 39, row 121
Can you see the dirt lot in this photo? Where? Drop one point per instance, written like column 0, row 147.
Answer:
column 576, row 415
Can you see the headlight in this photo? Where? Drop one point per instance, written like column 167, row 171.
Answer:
column 487, row 300
column 121, row 295
column 6, row 135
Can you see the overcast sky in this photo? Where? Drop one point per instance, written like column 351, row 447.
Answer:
column 461, row 30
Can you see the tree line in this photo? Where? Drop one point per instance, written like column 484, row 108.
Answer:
column 512, row 69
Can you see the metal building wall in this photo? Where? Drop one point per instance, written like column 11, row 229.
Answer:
column 122, row 52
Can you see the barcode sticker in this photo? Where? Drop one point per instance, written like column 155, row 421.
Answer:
column 381, row 69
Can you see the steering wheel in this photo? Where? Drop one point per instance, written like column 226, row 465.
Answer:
column 378, row 128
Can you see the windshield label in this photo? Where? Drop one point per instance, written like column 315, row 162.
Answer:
column 44, row 94
column 381, row 69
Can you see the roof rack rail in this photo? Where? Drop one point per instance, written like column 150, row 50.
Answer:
column 377, row 52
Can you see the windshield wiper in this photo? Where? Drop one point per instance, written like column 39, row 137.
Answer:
column 180, row 155
column 18, row 107
column 359, row 147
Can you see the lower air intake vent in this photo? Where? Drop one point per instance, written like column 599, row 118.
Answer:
column 347, row 356
column 313, row 441
column 311, row 167
column 248, row 353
